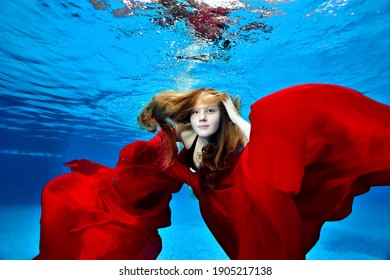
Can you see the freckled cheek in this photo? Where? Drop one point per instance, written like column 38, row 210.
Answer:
column 192, row 121
column 194, row 124
column 216, row 123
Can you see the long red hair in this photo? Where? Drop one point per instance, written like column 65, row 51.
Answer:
column 219, row 155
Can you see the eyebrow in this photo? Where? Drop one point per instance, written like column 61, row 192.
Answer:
column 205, row 107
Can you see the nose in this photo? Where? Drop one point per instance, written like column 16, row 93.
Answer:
column 202, row 116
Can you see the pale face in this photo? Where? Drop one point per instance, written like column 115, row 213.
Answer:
column 205, row 119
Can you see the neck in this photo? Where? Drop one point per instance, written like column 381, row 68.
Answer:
column 203, row 140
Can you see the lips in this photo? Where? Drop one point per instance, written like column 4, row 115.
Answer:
column 203, row 126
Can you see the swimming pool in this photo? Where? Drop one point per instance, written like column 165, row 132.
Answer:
column 73, row 79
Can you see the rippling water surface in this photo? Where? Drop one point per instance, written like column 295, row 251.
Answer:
column 68, row 68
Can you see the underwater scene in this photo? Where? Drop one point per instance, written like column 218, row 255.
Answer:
column 75, row 74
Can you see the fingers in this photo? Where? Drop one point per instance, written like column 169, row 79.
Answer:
column 228, row 103
column 231, row 110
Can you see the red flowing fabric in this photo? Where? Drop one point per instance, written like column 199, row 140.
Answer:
column 97, row 212
column 312, row 149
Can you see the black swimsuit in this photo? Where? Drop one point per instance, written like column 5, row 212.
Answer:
column 190, row 155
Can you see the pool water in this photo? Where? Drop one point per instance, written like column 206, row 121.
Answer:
column 364, row 235
column 73, row 79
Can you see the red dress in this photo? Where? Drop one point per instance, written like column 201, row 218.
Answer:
column 97, row 212
column 312, row 149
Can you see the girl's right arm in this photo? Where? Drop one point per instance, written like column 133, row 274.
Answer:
column 185, row 134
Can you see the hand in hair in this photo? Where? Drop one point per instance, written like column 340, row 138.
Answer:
column 231, row 110
column 236, row 118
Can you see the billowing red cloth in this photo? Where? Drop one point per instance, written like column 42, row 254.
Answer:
column 312, row 149
column 97, row 212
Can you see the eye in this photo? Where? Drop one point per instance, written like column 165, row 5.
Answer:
column 211, row 111
column 195, row 112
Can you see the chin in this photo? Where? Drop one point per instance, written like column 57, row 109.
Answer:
column 205, row 134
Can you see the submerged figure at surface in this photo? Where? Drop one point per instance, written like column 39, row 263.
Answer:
column 266, row 188
column 208, row 20
column 96, row 212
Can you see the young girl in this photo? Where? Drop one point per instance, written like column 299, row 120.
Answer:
column 266, row 189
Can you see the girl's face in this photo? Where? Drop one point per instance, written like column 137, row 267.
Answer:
column 205, row 119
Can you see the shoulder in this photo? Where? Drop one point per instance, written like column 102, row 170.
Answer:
column 185, row 134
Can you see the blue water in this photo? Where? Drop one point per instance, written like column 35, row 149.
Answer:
column 74, row 78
